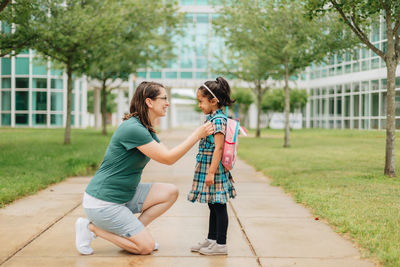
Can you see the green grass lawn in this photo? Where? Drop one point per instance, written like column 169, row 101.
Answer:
column 31, row 159
column 339, row 176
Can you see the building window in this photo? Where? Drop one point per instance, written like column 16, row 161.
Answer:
column 6, row 100
column 375, row 104
column 57, row 84
column 22, row 66
column 155, row 75
column 39, row 119
column 22, row 83
column 141, row 74
column 6, row 119
column 39, row 100
column 171, row 75
column 21, row 119
column 21, row 100
column 56, row 119
column 6, row 83
column 186, row 75
column 39, row 83
column 39, row 69
column 5, row 66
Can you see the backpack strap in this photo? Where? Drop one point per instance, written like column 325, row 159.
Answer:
column 216, row 117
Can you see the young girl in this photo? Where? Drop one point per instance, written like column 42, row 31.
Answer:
column 212, row 182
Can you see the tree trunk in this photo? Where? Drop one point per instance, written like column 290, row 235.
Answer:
column 390, row 118
column 104, row 107
column 67, row 133
column 96, row 107
column 259, row 97
column 287, row 108
column 391, row 64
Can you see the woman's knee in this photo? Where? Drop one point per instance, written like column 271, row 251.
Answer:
column 173, row 192
column 147, row 247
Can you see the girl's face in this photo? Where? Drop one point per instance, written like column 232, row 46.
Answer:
column 160, row 104
column 206, row 105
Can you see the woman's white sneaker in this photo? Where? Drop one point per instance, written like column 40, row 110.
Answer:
column 203, row 244
column 83, row 236
column 214, row 249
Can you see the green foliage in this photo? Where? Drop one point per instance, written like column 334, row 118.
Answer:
column 32, row 159
column 321, row 172
column 111, row 106
column 143, row 38
column 274, row 100
column 17, row 13
column 244, row 97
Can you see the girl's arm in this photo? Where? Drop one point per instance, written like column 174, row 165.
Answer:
column 162, row 154
column 219, row 140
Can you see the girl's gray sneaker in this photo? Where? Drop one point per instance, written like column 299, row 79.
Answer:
column 214, row 249
column 204, row 244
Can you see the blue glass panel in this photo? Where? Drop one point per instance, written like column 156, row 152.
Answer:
column 6, row 100
column 22, row 83
column 22, row 66
column 39, row 83
column 21, row 100
column 141, row 74
column 5, row 66
column 56, row 103
column 21, row 119
column 171, row 75
column 56, row 119
column 39, row 119
column 186, row 75
column 155, row 75
column 5, row 119
column 57, row 84
column 39, row 100
column 39, row 69
column 6, row 83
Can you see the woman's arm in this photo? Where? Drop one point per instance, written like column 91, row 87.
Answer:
column 162, row 154
column 219, row 140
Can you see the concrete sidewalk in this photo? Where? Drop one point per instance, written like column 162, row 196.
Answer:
column 266, row 227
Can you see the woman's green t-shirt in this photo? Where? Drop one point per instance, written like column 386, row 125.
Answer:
column 120, row 172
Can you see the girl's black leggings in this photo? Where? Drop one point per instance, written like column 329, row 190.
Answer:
column 218, row 224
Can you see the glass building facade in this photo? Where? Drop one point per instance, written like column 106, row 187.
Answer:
column 349, row 92
column 196, row 49
column 33, row 94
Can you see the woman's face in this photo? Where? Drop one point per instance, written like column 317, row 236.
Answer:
column 160, row 103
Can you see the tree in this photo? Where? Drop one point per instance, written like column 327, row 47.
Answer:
column 69, row 32
column 242, row 25
column 16, row 33
column 359, row 16
column 244, row 98
column 143, row 38
column 294, row 42
column 274, row 100
column 110, row 107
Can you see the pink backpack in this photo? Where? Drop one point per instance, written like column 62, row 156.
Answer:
column 231, row 140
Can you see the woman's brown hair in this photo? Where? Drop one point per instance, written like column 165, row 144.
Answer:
column 138, row 107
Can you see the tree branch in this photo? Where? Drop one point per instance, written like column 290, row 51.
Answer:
column 356, row 29
column 3, row 4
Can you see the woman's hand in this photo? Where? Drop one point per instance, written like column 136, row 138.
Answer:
column 209, row 179
column 205, row 130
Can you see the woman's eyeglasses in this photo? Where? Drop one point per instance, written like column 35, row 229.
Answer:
column 162, row 98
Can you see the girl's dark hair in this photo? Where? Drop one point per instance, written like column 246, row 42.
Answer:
column 220, row 89
column 138, row 107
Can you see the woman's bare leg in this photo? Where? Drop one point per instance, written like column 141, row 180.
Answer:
column 142, row 243
column 159, row 199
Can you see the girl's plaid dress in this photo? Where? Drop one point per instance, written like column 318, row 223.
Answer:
column 222, row 189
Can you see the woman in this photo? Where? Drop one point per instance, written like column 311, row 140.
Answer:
column 115, row 193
